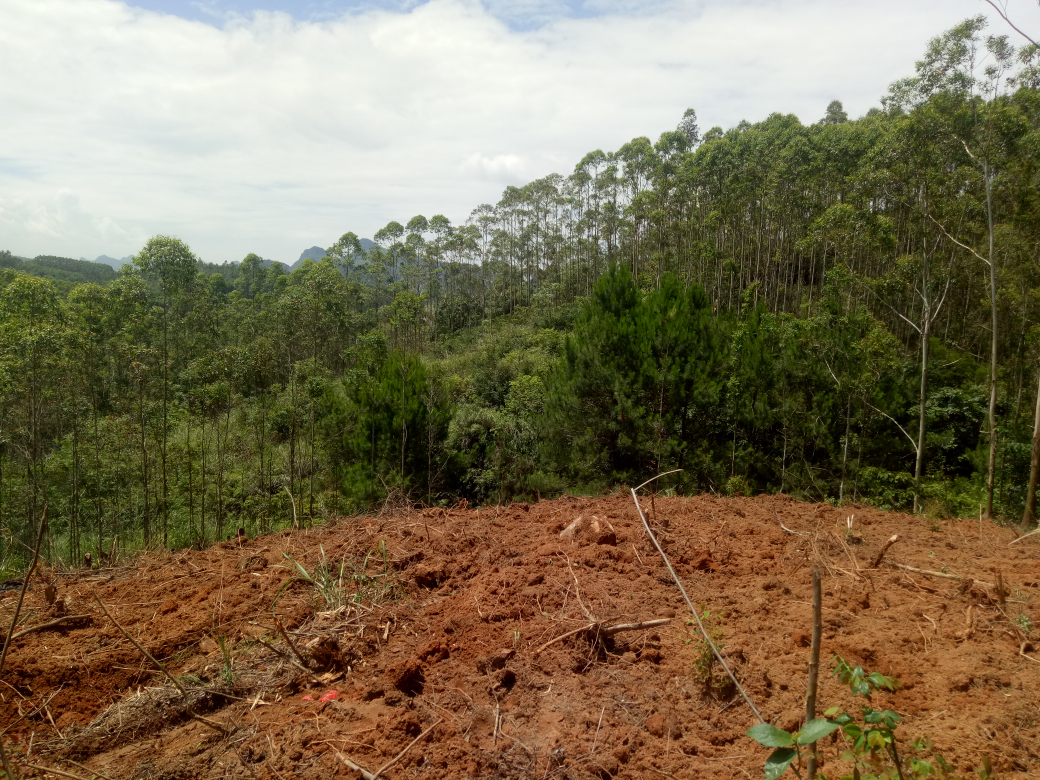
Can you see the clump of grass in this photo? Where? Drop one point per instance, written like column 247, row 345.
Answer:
column 348, row 581
column 705, row 670
column 227, row 670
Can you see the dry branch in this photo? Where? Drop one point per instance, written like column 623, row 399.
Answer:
column 177, row 684
column 942, row 574
column 597, row 628
column 52, row 771
column 49, row 624
column 697, row 617
column 1025, row 536
column 4, row 762
column 884, row 549
column 375, row 775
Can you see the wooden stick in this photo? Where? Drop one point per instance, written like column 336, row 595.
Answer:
column 697, row 617
column 410, row 745
column 4, row 761
column 618, row 628
column 53, row 771
column 595, row 738
column 944, row 575
column 288, row 658
column 1025, row 536
column 884, row 549
column 357, row 768
column 177, row 684
column 288, row 641
column 607, row 631
column 49, row 624
column 25, row 587
column 561, row 637
column 91, row 771
column 814, row 664
column 789, row 530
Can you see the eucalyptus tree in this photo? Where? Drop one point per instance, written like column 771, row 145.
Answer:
column 171, row 264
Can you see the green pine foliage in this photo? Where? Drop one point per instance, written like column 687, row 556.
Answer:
column 778, row 306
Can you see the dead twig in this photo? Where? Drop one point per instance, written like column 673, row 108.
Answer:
column 289, row 658
column 789, row 530
column 1022, row 652
column 689, row 603
column 375, row 775
column 884, row 549
column 50, row 624
column 93, row 772
column 408, row 747
column 8, row 768
column 599, row 629
column 598, row 725
column 941, row 574
column 1025, row 536
column 52, row 771
column 177, row 683
column 288, row 641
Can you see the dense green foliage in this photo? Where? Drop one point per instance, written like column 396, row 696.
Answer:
column 64, row 271
column 811, row 309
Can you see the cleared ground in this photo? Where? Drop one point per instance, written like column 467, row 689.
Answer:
column 455, row 627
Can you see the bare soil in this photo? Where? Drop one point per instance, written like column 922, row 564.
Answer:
column 456, row 633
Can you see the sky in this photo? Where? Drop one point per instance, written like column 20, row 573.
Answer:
column 270, row 126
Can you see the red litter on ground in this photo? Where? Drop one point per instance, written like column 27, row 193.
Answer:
column 308, row 697
column 329, row 696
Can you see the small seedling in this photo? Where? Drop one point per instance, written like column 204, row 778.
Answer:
column 870, row 744
column 227, row 671
column 1024, row 622
column 703, row 656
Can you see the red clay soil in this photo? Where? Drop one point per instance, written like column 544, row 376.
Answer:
column 453, row 643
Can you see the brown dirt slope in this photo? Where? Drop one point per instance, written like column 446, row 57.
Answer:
column 450, row 635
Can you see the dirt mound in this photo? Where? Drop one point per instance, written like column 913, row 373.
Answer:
column 487, row 634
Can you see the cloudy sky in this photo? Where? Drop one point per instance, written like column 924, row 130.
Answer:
column 269, row 126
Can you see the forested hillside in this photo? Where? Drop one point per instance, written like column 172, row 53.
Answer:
column 846, row 310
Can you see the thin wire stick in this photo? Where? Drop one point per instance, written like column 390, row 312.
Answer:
column 177, row 683
column 689, row 603
column 8, row 769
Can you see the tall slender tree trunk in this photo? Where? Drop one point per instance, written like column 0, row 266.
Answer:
column 1029, row 516
column 926, row 332
column 992, row 417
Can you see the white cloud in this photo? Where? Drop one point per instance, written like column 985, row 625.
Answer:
column 271, row 134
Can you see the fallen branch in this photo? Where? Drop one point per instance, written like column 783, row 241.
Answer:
column 884, row 549
column 942, row 574
column 598, row 629
column 288, row 641
column 49, row 624
column 1025, row 536
column 289, row 658
column 177, row 684
column 619, row 627
column 561, row 637
column 375, row 775
column 408, row 747
column 4, row 762
column 700, row 625
column 53, row 771
column 789, row 530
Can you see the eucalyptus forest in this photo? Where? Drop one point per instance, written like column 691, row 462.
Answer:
column 843, row 311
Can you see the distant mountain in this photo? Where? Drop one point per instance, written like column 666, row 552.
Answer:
column 110, row 261
column 315, row 253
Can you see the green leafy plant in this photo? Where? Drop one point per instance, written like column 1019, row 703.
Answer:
column 331, row 580
column 227, row 670
column 870, row 742
column 704, row 661
column 1024, row 622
